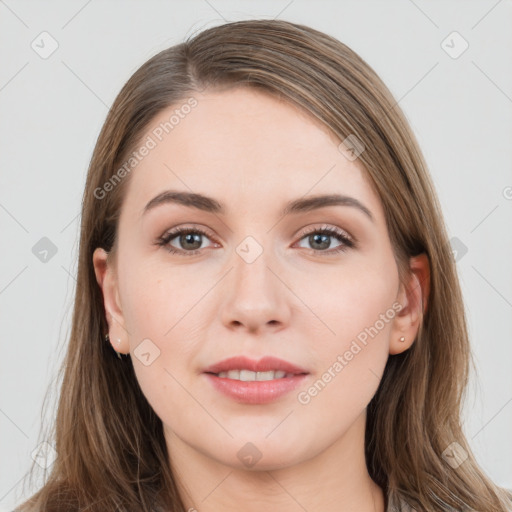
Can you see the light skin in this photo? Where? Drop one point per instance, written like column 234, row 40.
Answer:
column 299, row 301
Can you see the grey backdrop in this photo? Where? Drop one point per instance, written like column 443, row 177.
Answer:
column 64, row 62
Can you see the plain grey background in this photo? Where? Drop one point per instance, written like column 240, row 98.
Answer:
column 457, row 99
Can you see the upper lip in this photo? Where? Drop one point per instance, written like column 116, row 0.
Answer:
column 265, row 364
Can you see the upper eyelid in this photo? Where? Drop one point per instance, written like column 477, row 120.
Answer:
column 176, row 231
column 327, row 227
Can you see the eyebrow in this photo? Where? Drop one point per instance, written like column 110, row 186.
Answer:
column 211, row 205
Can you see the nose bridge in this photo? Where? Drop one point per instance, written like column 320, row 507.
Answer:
column 251, row 273
column 254, row 295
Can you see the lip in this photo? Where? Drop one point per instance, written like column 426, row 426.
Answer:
column 265, row 364
column 255, row 392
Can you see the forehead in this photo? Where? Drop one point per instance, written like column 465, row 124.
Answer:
column 243, row 146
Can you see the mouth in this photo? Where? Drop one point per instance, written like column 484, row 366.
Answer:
column 250, row 376
column 255, row 382
column 246, row 367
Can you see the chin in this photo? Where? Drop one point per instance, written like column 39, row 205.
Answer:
column 260, row 453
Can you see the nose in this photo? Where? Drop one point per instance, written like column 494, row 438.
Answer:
column 256, row 297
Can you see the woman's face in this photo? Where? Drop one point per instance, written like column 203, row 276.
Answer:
column 253, row 281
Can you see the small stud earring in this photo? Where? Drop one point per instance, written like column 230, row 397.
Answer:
column 107, row 339
column 402, row 339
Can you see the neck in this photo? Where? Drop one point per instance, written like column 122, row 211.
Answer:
column 334, row 480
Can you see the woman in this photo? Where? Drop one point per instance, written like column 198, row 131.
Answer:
column 308, row 350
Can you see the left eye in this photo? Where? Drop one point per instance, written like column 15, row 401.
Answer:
column 190, row 240
column 321, row 239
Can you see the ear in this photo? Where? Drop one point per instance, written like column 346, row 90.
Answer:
column 107, row 280
column 413, row 297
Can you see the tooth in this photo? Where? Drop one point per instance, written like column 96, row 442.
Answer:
column 233, row 374
column 250, row 376
column 265, row 375
column 247, row 375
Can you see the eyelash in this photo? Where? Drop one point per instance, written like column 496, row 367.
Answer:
column 341, row 236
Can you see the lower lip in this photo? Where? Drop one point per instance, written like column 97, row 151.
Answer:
column 255, row 392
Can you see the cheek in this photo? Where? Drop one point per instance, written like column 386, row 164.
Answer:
column 155, row 300
column 352, row 360
column 158, row 344
column 158, row 308
column 354, row 298
column 356, row 305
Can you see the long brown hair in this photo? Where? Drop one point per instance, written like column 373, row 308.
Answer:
column 111, row 452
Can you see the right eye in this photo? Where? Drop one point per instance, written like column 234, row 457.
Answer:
column 186, row 237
